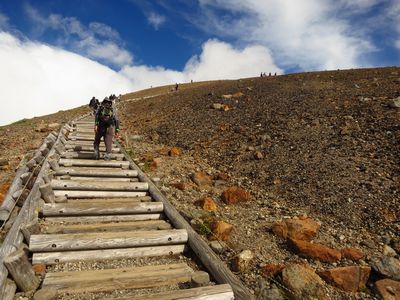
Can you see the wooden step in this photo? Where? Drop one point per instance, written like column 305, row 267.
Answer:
column 124, row 278
column 98, row 194
column 75, row 185
column 104, row 219
column 96, row 172
column 105, row 240
column 102, row 227
column 111, row 200
column 98, row 179
column 80, row 138
column 214, row 292
column 51, row 258
column 94, row 163
column 90, row 155
column 96, row 209
column 90, row 148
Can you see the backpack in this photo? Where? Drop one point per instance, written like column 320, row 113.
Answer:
column 106, row 115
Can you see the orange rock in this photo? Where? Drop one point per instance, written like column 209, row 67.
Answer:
column 352, row 253
column 305, row 229
column 234, row 195
column 155, row 163
column 349, row 279
column 237, row 95
column 175, row 151
column 221, row 176
column 315, row 251
column 1, row 197
column 207, row 204
column 388, row 289
column 39, row 269
column 179, row 185
column 271, row 270
column 221, row 231
column 201, row 179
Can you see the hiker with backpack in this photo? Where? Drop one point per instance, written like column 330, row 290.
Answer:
column 106, row 124
column 94, row 104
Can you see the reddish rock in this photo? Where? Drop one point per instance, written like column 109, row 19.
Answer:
column 175, row 151
column 201, row 179
column 271, row 270
column 207, row 204
column 39, row 269
column 156, row 163
column 315, row 251
column 179, row 185
column 221, row 176
column 303, row 282
column 352, row 253
column 305, row 229
column 221, row 231
column 163, row 151
column 237, row 95
column 388, row 289
column 235, row 195
column 349, row 279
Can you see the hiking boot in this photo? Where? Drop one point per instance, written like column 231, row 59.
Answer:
column 96, row 154
column 107, row 156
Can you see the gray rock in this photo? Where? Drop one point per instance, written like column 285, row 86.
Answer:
column 218, row 246
column 271, row 294
column 387, row 266
column 45, row 294
column 388, row 251
column 3, row 162
column 368, row 243
column 136, row 137
column 394, row 103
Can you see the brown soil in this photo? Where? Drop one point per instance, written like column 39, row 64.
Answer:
column 323, row 144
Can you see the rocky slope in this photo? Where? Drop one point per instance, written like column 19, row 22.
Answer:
column 323, row 145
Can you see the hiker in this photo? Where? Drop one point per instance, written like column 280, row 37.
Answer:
column 176, row 87
column 94, row 104
column 106, row 123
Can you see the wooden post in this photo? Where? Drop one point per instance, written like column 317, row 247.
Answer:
column 31, row 164
column 9, row 290
column 32, row 227
column 47, row 193
column 21, row 271
column 53, row 164
column 25, row 177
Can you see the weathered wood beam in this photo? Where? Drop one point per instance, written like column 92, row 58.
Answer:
column 105, row 219
column 98, row 194
column 96, row 172
column 94, row 163
column 74, row 185
column 105, row 240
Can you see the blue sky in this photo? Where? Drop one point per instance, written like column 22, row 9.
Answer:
column 57, row 54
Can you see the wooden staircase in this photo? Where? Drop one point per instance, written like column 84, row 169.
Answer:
column 102, row 211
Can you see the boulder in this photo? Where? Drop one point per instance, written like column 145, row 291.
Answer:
column 303, row 282
column 387, row 266
column 241, row 262
column 207, row 203
column 388, row 289
column 352, row 253
column 315, row 251
column 221, row 231
column 201, row 179
column 303, row 229
column 349, row 279
column 389, row 251
column 233, row 195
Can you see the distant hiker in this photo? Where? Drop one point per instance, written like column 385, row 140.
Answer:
column 106, row 123
column 176, row 87
column 269, row 74
column 261, row 75
column 275, row 74
column 94, row 104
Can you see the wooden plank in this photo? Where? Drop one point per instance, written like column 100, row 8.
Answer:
column 95, row 172
column 95, row 219
column 101, row 227
column 105, row 240
column 90, row 148
column 80, row 138
column 51, row 258
column 89, row 209
column 98, row 194
column 90, row 155
column 210, row 260
column 98, row 179
column 111, row 200
column 215, row 292
column 88, row 185
column 94, row 163
column 124, row 278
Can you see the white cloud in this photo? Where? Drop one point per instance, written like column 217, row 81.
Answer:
column 220, row 60
column 306, row 34
column 38, row 79
column 156, row 20
column 97, row 40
